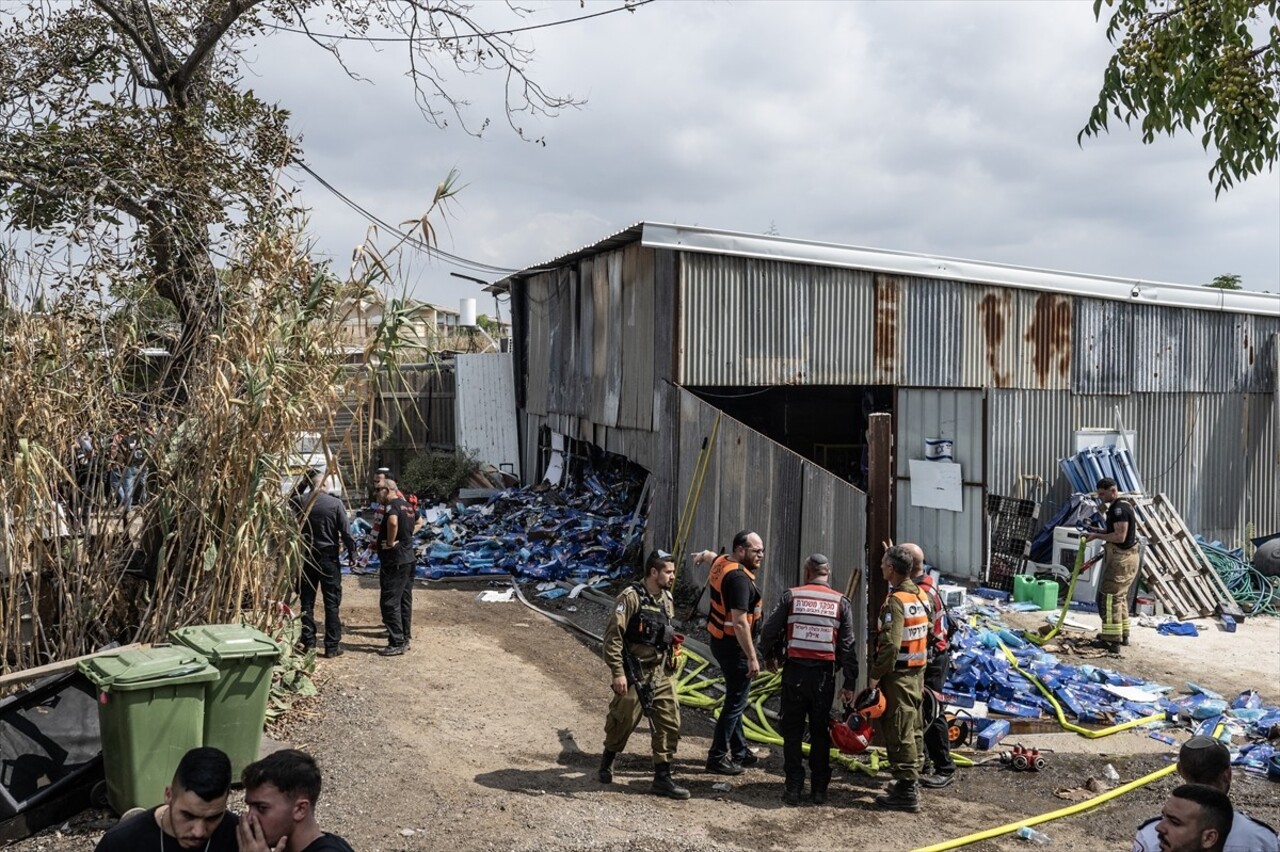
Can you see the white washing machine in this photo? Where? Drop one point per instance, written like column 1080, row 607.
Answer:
column 1066, row 541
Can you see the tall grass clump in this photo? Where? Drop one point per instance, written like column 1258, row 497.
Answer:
column 215, row 540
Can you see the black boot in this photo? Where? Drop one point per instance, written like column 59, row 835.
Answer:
column 902, row 796
column 606, row 767
column 665, row 785
column 791, row 795
column 818, row 791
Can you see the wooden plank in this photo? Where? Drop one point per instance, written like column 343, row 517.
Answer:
column 59, row 667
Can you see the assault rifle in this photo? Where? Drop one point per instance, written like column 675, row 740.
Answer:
column 644, row 690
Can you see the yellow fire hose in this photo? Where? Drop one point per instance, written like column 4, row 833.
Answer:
column 1062, row 717
column 757, row 726
column 1078, row 807
column 1071, row 810
column 1036, row 638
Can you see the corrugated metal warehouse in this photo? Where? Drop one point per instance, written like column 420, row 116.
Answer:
column 636, row 342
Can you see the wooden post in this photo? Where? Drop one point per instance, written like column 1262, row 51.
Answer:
column 879, row 508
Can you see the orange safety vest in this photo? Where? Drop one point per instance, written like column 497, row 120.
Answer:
column 913, row 652
column 719, row 620
column 813, row 624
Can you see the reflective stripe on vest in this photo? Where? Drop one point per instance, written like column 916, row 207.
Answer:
column 913, row 652
column 719, row 622
column 813, row 622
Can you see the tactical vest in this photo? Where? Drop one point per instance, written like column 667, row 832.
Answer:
column 813, row 624
column 650, row 625
column 913, row 652
column 719, row 620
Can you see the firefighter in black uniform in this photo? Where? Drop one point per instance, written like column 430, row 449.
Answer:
column 640, row 647
column 813, row 626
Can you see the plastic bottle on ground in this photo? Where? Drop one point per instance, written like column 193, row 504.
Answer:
column 1036, row 837
column 1109, row 773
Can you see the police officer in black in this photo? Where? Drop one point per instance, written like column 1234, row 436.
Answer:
column 640, row 649
column 812, row 626
column 395, row 574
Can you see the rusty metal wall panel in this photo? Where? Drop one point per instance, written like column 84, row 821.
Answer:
column 596, row 355
column 1159, row 335
column 887, row 340
column 538, row 341
column 1046, row 340
column 954, row 541
column 932, row 332
column 1102, row 348
column 993, row 339
column 636, row 326
column 841, row 326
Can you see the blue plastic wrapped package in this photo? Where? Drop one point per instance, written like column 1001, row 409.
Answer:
column 1208, row 708
column 1177, row 628
column 991, row 733
column 1197, row 689
column 1247, row 700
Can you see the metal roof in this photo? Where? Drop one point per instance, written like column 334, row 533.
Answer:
column 692, row 238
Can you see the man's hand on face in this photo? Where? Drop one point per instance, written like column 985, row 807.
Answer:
column 251, row 838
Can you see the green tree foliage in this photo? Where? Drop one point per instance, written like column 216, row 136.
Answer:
column 1209, row 66
column 1226, row 282
column 129, row 134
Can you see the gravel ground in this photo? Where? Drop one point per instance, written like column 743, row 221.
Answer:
column 486, row 737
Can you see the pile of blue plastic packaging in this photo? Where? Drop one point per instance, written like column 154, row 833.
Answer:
column 982, row 673
column 587, row 527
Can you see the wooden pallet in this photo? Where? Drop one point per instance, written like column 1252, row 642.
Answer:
column 1174, row 567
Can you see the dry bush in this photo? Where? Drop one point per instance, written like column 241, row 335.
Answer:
column 216, row 540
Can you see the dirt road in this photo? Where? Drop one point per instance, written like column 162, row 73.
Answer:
column 485, row 736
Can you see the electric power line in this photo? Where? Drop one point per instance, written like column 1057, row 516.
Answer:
column 630, row 6
column 410, row 239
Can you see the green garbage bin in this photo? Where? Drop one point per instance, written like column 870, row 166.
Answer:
column 151, row 713
column 235, row 706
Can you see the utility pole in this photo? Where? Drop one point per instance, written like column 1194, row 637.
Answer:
column 879, row 507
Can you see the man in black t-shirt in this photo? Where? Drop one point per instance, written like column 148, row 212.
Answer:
column 731, row 621
column 280, row 794
column 395, row 576
column 1120, row 566
column 194, row 814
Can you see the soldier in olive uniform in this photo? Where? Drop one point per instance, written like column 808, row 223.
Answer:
column 898, row 670
column 640, row 650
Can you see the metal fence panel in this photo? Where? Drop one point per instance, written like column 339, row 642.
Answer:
column 485, row 409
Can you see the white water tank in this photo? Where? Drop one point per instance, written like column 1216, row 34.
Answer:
column 467, row 312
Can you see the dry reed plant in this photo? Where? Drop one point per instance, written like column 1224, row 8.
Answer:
column 216, row 540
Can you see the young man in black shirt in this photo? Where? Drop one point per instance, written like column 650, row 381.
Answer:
column 1120, row 566
column 731, row 621
column 280, row 795
column 395, row 576
column 194, row 814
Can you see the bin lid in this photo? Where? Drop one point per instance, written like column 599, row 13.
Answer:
column 221, row 642
column 146, row 668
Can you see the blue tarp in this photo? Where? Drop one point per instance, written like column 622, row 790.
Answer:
column 590, row 526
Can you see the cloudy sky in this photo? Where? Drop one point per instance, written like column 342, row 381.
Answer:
column 944, row 128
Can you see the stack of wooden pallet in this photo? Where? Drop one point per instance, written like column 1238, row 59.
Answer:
column 1174, row 567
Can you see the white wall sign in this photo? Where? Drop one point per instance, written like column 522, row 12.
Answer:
column 936, row 485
